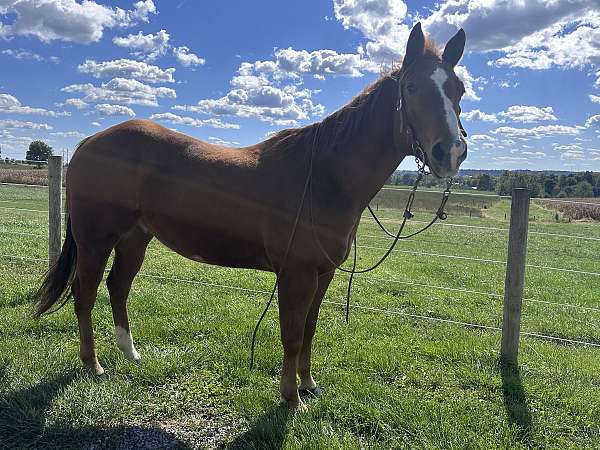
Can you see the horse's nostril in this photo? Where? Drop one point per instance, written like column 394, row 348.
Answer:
column 438, row 152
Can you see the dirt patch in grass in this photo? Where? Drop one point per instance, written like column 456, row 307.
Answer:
column 209, row 430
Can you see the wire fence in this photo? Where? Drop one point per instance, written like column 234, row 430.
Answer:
column 501, row 231
column 385, row 311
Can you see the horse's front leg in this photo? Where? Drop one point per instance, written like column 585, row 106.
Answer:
column 307, row 382
column 297, row 288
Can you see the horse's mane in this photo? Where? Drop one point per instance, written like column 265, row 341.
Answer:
column 338, row 126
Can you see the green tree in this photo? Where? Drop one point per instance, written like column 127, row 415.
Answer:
column 550, row 186
column 485, row 182
column 584, row 189
column 38, row 151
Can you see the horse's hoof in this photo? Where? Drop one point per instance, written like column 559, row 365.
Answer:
column 309, row 393
column 135, row 357
column 96, row 373
column 96, row 370
column 297, row 406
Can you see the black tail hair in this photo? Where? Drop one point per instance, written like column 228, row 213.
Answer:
column 58, row 280
column 56, row 287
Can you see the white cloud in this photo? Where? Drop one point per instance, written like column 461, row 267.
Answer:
column 477, row 115
column 11, row 124
column 573, row 155
column 22, row 54
column 123, row 91
column 256, row 97
column 68, row 134
column 187, row 58
column 373, row 18
column 219, row 141
column 145, row 46
column 378, row 20
column 481, row 138
column 318, row 63
column 536, row 155
column 514, row 113
column 528, row 114
column 13, row 145
column 190, row 121
column 11, row 105
column 469, row 82
column 69, row 20
column 594, row 98
column 76, row 103
column 499, row 24
column 536, row 132
column 570, row 44
column 127, row 68
column 96, row 124
column 114, row 110
column 512, row 159
column 593, row 121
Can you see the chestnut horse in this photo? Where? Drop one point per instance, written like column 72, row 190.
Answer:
column 237, row 207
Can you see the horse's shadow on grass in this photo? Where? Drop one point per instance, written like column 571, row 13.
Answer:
column 268, row 432
column 23, row 424
column 515, row 403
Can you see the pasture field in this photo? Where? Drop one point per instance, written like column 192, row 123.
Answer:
column 405, row 373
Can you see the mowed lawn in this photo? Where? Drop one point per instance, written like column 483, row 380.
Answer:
column 391, row 379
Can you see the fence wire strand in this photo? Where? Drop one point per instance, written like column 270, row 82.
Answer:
column 364, row 308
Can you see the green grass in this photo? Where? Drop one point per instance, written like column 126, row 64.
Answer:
column 390, row 381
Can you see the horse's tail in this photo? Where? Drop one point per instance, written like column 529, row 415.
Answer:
column 56, row 287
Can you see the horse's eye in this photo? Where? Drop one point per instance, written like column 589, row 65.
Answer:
column 411, row 88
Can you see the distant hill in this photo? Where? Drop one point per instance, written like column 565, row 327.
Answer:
column 496, row 172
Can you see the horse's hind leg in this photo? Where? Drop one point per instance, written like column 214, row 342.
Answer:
column 91, row 261
column 129, row 256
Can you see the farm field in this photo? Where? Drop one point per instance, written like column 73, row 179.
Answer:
column 407, row 372
column 577, row 209
column 24, row 173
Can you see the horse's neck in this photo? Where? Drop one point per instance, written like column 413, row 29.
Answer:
column 375, row 149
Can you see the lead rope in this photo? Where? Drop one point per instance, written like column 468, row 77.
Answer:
column 416, row 146
column 439, row 215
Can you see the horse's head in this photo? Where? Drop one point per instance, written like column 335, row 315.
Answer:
column 430, row 94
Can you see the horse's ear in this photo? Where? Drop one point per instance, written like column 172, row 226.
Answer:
column 415, row 46
column 454, row 48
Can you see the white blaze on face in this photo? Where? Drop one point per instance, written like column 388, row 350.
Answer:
column 439, row 77
column 125, row 343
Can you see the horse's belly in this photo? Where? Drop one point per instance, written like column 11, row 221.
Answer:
column 210, row 246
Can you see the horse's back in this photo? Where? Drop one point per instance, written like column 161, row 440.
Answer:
column 195, row 197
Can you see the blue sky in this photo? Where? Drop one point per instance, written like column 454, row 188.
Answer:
column 233, row 72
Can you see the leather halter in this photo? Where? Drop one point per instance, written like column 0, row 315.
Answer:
column 415, row 144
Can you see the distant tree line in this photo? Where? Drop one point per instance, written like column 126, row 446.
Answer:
column 579, row 184
column 540, row 184
column 38, row 151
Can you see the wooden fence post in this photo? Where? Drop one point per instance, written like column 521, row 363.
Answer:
column 55, row 177
column 515, row 275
